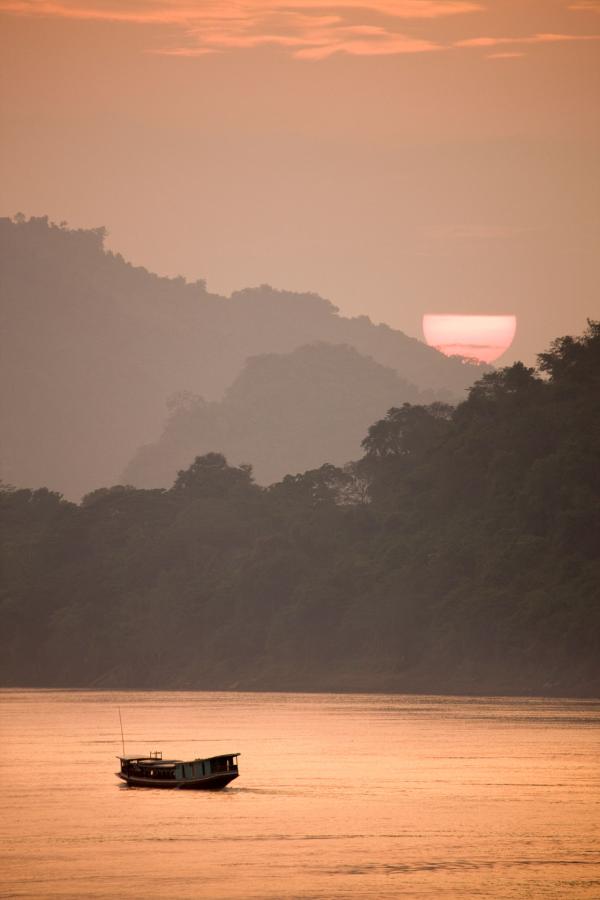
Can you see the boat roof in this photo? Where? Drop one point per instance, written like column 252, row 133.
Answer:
column 158, row 763
column 131, row 757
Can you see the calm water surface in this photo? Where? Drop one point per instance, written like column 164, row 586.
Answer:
column 339, row 796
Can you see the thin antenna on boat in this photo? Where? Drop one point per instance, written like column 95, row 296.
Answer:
column 121, row 723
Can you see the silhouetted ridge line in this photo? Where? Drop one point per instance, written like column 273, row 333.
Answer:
column 284, row 412
column 94, row 347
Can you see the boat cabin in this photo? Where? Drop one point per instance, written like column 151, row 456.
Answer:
column 154, row 771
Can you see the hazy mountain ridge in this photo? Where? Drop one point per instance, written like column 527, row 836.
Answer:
column 460, row 554
column 93, row 347
column 285, row 413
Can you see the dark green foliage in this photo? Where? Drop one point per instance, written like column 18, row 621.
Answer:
column 462, row 553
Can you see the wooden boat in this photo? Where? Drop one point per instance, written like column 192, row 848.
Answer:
column 212, row 773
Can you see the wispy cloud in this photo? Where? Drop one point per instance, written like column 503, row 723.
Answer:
column 308, row 29
column 525, row 39
column 173, row 11
column 585, row 6
column 508, row 54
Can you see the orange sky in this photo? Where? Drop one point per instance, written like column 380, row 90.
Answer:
column 397, row 156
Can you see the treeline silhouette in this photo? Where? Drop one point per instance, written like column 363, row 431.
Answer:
column 461, row 553
column 93, row 348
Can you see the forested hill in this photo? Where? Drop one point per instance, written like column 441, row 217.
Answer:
column 92, row 348
column 285, row 412
column 460, row 554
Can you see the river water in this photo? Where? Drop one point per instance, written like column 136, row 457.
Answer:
column 338, row 796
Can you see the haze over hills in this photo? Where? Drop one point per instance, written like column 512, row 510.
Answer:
column 285, row 413
column 93, row 348
column 460, row 554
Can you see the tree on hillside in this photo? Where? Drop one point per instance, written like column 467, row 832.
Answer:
column 461, row 553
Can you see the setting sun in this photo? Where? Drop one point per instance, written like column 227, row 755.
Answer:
column 484, row 338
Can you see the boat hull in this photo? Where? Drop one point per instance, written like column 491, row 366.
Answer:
column 207, row 783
